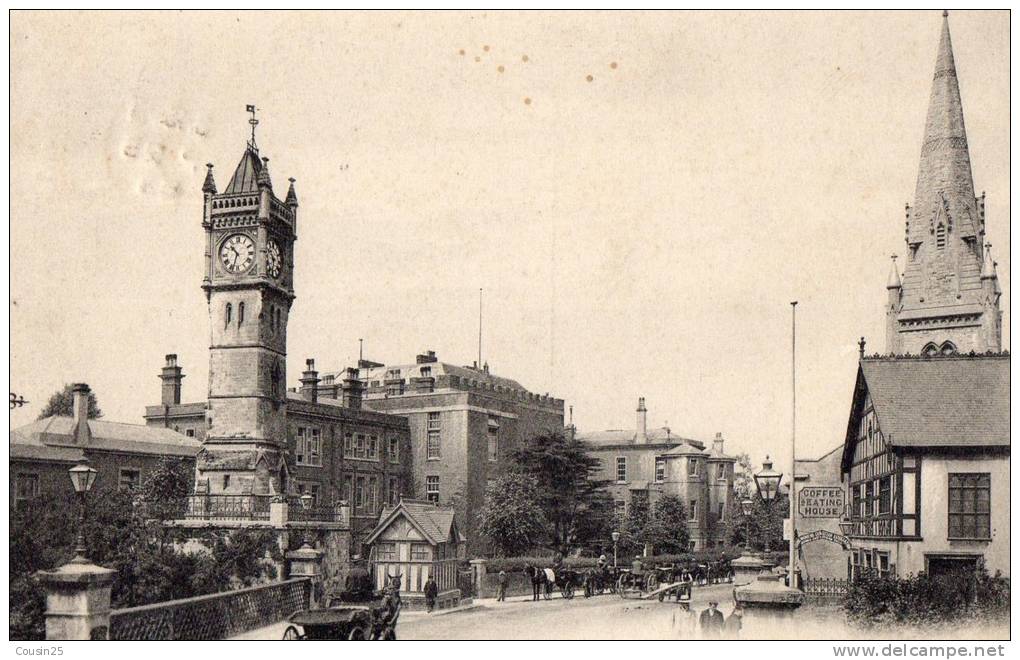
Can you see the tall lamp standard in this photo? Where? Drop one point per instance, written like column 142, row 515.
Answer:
column 745, row 508
column 767, row 480
column 306, row 504
column 616, row 541
column 82, row 476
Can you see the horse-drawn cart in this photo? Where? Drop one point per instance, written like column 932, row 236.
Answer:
column 376, row 619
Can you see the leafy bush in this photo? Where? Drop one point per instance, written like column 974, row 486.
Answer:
column 922, row 600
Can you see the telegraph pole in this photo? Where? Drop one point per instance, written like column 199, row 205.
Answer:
column 793, row 450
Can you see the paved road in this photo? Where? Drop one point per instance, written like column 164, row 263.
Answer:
column 602, row 617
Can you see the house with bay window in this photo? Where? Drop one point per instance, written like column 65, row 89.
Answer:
column 926, row 464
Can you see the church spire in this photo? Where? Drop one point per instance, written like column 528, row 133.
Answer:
column 945, row 185
column 894, row 276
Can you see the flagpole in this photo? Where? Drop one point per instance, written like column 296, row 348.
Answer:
column 793, row 449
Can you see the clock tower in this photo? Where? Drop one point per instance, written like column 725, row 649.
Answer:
column 249, row 287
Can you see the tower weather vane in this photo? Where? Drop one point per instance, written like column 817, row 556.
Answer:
column 254, row 122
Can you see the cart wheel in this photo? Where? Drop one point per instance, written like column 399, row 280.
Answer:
column 357, row 634
column 291, row 634
column 662, row 597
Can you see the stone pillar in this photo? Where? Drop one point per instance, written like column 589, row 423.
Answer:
column 478, row 572
column 278, row 511
column 766, row 602
column 77, row 601
column 306, row 561
column 746, row 569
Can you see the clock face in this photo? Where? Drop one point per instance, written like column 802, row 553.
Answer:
column 237, row 253
column 273, row 259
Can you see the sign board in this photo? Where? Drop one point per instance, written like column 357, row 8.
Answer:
column 820, row 502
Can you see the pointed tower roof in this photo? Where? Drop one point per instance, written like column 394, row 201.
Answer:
column 291, row 194
column 945, row 185
column 894, row 277
column 245, row 179
column 210, row 185
column 987, row 265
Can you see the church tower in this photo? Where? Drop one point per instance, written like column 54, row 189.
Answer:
column 249, row 286
column 948, row 298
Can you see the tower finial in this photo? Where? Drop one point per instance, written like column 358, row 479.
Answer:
column 254, row 122
column 210, row 185
column 945, row 13
column 860, row 346
column 894, row 276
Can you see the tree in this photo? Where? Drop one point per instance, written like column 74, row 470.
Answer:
column 765, row 524
column 567, row 493
column 743, row 477
column 165, row 487
column 667, row 529
column 511, row 517
column 62, row 403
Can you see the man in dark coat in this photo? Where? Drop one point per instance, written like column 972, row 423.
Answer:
column 504, row 582
column 712, row 621
column 734, row 622
column 431, row 593
column 358, row 585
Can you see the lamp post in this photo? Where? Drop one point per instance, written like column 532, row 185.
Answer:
column 82, row 476
column 616, row 541
column 767, row 480
column 745, row 507
column 306, row 504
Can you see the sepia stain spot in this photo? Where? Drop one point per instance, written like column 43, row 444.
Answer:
column 478, row 59
column 612, row 65
column 500, row 68
column 524, row 58
column 485, row 48
column 590, row 77
column 527, row 100
column 461, row 51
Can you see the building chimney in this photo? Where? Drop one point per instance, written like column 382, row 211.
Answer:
column 428, row 357
column 80, row 414
column 171, row 376
column 352, row 389
column 642, row 421
column 310, row 382
column 717, row 443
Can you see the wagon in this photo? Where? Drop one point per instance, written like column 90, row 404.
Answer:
column 345, row 620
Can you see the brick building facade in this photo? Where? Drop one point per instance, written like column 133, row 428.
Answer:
column 462, row 421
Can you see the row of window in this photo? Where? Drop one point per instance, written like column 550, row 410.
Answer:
column 969, row 504
column 433, row 434
column 275, row 316
column 388, row 552
column 360, row 446
column 869, row 560
column 620, row 509
column 361, row 492
column 26, row 484
column 693, row 467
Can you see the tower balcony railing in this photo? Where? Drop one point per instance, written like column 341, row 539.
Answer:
column 227, row 507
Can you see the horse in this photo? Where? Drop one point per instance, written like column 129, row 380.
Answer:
column 538, row 580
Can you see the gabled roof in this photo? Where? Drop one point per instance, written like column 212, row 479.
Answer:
column 960, row 401
column 435, row 523
column 245, row 179
column 58, row 431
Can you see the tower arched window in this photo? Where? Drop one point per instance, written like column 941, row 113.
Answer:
column 948, row 348
column 940, row 236
column 279, row 324
column 229, row 312
column 240, row 313
column 930, row 350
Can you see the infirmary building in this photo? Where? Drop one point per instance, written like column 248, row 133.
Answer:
column 925, row 461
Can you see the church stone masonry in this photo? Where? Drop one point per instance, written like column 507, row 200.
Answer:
column 948, row 299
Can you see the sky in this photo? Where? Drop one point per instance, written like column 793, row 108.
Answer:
column 639, row 195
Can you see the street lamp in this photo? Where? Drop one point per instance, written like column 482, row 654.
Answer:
column 745, row 507
column 82, row 477
column 767, row 480
column 306, row 504
column 616, row 541
column 846, row 526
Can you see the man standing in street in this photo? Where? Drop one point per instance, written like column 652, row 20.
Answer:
column 431, row 592
column 712, row 621
column 504, row 581
column 734, row 622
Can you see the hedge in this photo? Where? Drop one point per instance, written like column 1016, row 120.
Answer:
column 922, row 599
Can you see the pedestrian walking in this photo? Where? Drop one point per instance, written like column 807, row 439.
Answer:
column 685, row 622
column 734, row 622
column 504, row 582
column 712, row 621
column 431, row 592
